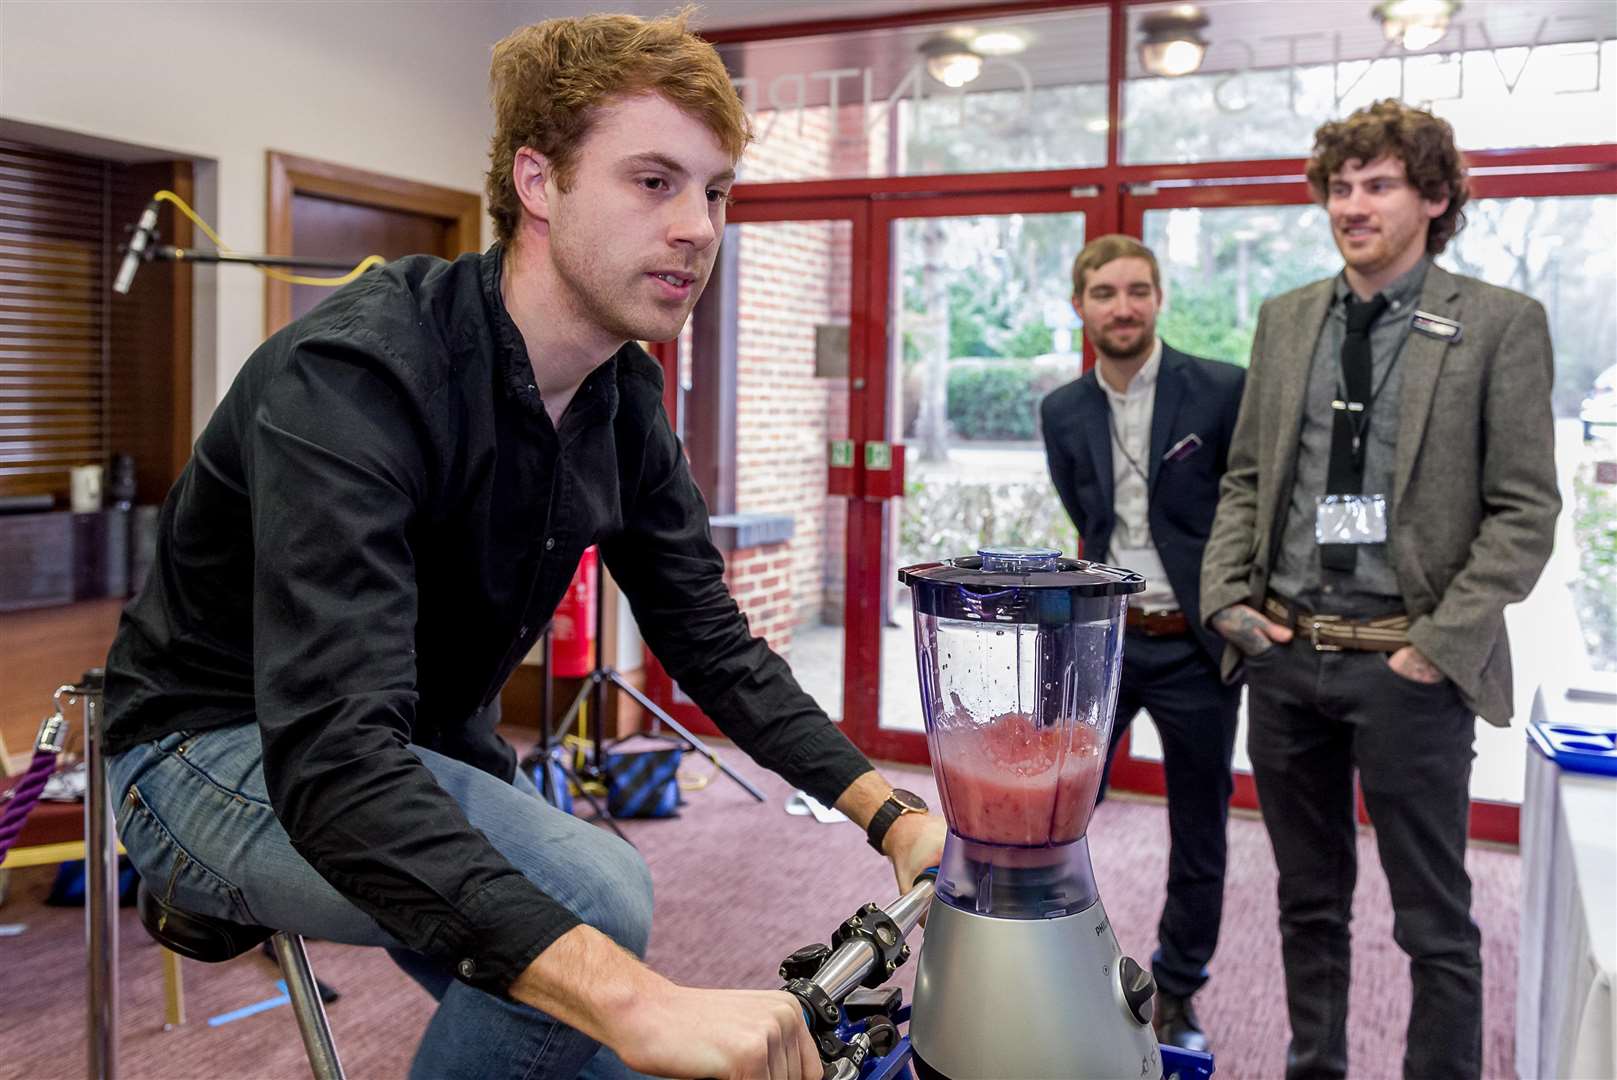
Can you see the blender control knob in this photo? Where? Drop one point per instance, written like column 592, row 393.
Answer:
column 1139, row 988
column 805, row 962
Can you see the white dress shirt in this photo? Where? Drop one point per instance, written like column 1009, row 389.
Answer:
column 1132, row 547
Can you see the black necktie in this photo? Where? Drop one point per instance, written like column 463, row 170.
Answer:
column 1350, row 420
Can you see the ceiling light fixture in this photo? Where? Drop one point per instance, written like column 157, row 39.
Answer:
column 1170, row 41
column 999, row 43
column 1415, row 24
column 951, row 62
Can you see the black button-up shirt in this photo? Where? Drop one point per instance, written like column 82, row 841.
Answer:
column 372, row 530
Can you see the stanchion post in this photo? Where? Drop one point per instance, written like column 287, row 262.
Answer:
column 100, row 892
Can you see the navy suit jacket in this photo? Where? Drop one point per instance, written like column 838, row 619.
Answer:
column 1194, row 397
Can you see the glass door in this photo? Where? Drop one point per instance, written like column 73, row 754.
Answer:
column 770, row 377
column 971, row 326
column 1223, row 250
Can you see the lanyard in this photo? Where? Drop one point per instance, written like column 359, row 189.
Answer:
column 1111, row 425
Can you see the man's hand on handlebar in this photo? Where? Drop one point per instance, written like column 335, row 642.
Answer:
column 585, row 980
column 720, row 1035
column 914, row 843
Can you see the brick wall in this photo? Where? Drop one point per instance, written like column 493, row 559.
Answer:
column 795, row 276
column 760, row 579
column 781, row 406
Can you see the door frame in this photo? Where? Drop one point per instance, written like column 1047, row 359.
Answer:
column 859, row 644
column 871, row 215
column 1099, row 218
column 288, row 175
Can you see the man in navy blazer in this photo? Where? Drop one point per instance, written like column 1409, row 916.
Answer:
column 1136, row 449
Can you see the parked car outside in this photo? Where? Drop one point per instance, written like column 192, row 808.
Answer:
column 1599, row 410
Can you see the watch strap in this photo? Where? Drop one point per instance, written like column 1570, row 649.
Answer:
column 891, row 809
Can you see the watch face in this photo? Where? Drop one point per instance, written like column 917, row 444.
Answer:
column 909, row 800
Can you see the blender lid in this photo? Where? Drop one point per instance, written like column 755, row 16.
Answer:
column 1019, row 584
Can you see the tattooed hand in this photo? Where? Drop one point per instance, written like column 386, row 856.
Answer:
column 1249, row 631
column 1409, row 663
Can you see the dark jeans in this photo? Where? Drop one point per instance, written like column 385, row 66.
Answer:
column 1315, row 716
column 1195, row 715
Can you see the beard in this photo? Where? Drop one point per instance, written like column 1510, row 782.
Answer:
column 1391, row 240
column 1107, row 346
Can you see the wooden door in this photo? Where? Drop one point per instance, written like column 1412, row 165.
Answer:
column 328, row 211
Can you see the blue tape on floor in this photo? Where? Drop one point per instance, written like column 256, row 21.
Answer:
column 253, row 1010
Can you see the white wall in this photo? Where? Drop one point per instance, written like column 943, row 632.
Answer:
column 397, row 88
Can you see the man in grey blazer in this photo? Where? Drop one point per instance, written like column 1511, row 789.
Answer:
column 1391, row 487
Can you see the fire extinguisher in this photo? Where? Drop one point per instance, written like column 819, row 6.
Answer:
column 572, row 628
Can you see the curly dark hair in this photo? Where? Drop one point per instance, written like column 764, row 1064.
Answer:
column 548, row 79
column 1423, row 142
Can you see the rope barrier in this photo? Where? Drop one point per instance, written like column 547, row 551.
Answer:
column 25, row 795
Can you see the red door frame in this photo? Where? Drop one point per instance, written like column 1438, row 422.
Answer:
column 1568, row 170
column 861, row 625
column 875, row 740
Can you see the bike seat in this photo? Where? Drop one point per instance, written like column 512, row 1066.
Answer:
column 199, row 937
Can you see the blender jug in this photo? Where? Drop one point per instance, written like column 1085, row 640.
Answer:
column 1019, row 652
column 1020, row 974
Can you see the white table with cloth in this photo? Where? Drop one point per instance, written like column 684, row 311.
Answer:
column 1566, row 1000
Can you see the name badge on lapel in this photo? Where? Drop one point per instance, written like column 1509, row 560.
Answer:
column 1424, row 322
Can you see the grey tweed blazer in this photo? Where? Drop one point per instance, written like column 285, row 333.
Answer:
column 1474, row 498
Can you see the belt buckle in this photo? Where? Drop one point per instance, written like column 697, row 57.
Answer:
column 1314, row 627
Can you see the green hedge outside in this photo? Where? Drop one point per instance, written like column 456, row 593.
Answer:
column 999, row 401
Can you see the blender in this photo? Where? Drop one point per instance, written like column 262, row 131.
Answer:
column 1020, row 974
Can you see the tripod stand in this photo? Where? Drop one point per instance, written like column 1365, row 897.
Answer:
column 594, row 690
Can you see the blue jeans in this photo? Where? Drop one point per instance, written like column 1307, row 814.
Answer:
column 203, row 835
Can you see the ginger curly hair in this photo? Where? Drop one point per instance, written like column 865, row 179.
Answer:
column 547, row 81
column 1423, row 142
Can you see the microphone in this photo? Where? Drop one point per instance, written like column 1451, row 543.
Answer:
column 137, row 247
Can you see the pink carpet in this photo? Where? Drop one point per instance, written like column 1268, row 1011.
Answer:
column 739, row 885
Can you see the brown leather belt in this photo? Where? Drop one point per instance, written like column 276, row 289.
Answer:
column 1158, row 623
column 1333, row 633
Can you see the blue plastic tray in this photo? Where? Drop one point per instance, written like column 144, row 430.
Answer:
column 1577, row 749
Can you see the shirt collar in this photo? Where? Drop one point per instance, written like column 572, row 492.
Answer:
column 1144, row 380
column 598, row 393
column 1402, row 294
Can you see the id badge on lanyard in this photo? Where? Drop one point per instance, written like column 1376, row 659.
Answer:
column 1350, row 519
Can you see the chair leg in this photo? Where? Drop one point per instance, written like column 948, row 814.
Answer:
column 306, row 1005
column 173, row 990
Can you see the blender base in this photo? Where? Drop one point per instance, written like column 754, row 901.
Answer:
column 1025, row 999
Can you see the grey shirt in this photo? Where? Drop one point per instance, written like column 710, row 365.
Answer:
column 1372, row 588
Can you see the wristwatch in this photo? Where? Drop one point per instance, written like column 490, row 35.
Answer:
column 899, row 803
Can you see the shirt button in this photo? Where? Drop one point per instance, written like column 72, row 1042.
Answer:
column 466, row 969
column 550, row 544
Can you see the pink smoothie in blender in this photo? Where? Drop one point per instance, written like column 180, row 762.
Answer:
column 1007, row 782
column 1018, row 651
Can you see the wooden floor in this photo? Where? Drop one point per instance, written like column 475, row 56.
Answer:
column 39, row 651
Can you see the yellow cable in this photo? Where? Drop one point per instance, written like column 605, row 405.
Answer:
column 688, row 782
column 279, row 275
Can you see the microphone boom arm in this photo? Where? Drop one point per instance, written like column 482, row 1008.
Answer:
column 171, row 253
